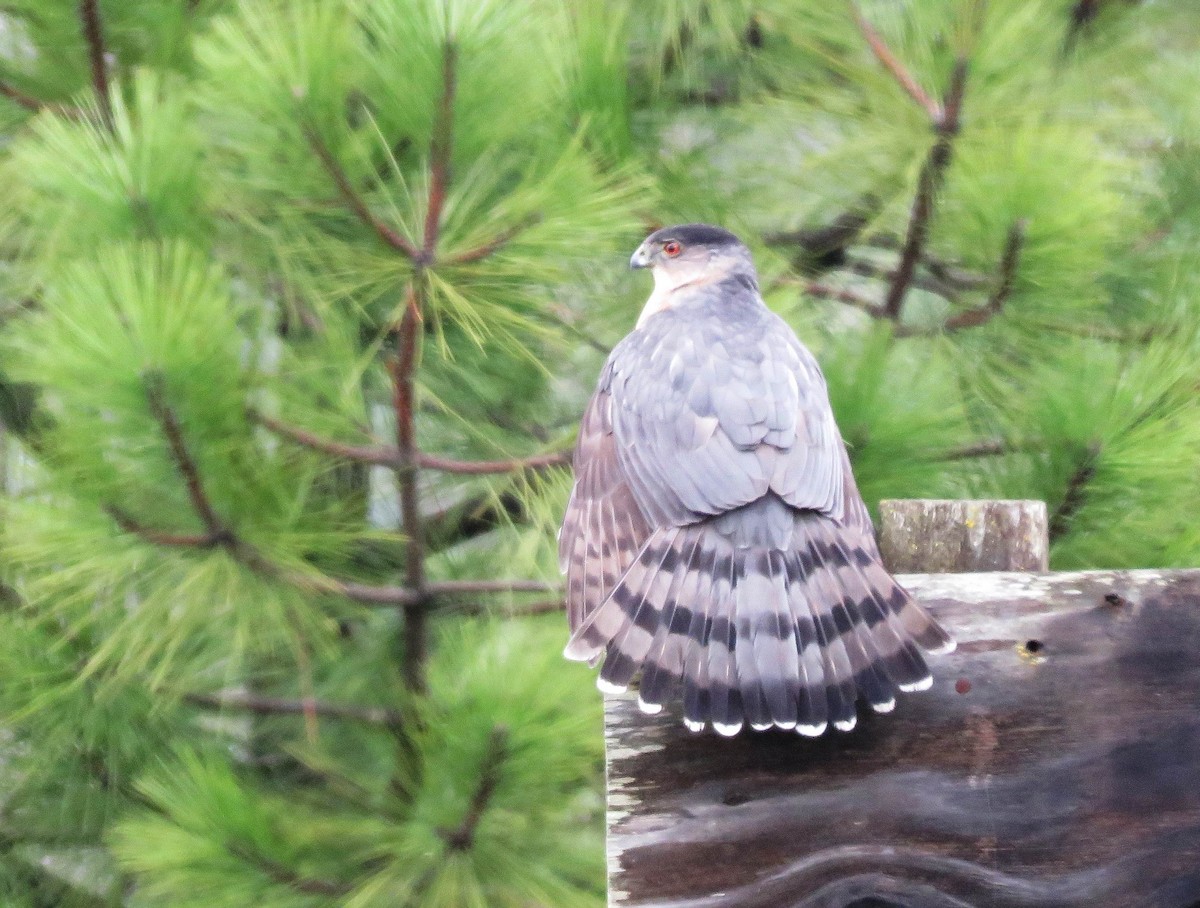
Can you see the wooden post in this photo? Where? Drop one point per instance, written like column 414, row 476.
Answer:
column 1054, row 763
column 951, row 537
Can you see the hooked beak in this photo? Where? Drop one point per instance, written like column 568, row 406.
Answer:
column 640, row 258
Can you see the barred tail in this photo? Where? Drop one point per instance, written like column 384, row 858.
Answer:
column 786, row 632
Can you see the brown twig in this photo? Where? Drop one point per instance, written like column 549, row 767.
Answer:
column 928, row 282
column 969, row 319
column 440, row 147
column 269, row 706
column 462, row 837
column 357, row 203
column 946, row 127
column 381, row 455
column 989, row 447
column 893, row 65
column 484, row 250
column 184, row 462
column 952, row 274
column 160, row 537
column 847, row 296
column 1075, row 494
column 429, row 592
column 93, row 33
column 1082, row 13
column 465, row 587
column 363, row 593
column 480, row 467
column 817, row 249
column 541, row 607
column 403, row 366
column 372, row 594
column 955, row 277
column 1007, row 276
column 416, row 644
column 285, row 876
column 20, row 98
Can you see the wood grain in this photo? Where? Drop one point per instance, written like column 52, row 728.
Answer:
column 1055, row 762
column 952, row 536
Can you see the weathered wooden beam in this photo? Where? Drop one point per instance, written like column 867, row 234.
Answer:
column 1054, row 763
column 951, row 536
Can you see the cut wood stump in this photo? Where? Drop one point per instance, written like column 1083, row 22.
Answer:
column 939, row 536
column 1054, row 763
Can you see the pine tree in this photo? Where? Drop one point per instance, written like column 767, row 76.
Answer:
column 301, row 301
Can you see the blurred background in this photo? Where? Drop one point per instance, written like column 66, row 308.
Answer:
column 301, row 300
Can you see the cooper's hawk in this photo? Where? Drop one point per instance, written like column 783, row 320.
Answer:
column 715, row 539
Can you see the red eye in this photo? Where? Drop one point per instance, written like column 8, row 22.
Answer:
column 672, row 248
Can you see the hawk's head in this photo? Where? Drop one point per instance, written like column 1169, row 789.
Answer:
column 689, row 254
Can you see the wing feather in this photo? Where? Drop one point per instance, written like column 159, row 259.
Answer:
column 604, row 527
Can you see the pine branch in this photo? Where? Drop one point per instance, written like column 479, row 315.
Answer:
column 462, row 837
column 946, row 126
column 926, row 282
column 380, row 455
column 541, row 607
column 184, row 463
column 93, row 33
column 364, row 593
column 893, row 65
column 471, row 517
column 847, row 296
column 440, row 148
column 989, row 447
column 416, row 645
column 285, row 876
column 1007, row 276
column 1075, row 495
column 821, row 248
column 954, row 275
column 971, row 318
column 485, row 250
column 164, row 538
column 270, row 706
column 465, row 587
column 370, row 594
column 1082, row 14
column 480, row 467
column 357, row 203
column 383, row 455
column 20, row 98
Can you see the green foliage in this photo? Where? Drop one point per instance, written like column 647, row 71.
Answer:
column 499, row 713
column 46, row 53
column 275, row 196
column 76, row 184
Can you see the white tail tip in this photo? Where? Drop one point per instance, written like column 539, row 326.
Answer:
column 727, row 731
column 811, row 731
column 607, row 687
column 575, row 651
column 650, row 709
column 948, row 647
column 693, row 726
column 847, row 725
column 886, row 707
column 924, row 684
